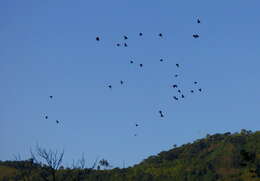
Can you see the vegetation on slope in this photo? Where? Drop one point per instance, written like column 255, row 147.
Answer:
column 219, row 157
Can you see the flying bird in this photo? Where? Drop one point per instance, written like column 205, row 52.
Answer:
column 161, row 60
column 161, row 113
column 110, row 86
column 131, row 61
column 179, row 91
column 176, row 98
column 192, row 91
column 195, row 36
column 198, row 21
column 182, row 96
column 200, row 89
column 51, row 97
column 121, row 82
column 136, row 125
column 46, row 117
column 97, row 38
column 125, row 37
column 118, row 44
column 140, row 34
column 177, row 65
column 176, row 75
column 141, row 65
column 174, row 86
column 57, row 121
column 160, row 35
column 125, row 44
column 195, row 82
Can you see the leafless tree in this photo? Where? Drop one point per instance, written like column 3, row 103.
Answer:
column 80, row 168
column 95, row 164
column 80, row 164
column 17, row 157
column 49, row 159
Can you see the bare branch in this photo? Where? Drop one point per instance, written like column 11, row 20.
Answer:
column 82, row 162
column 51, row 160
column 17, row 157
column 95, row 163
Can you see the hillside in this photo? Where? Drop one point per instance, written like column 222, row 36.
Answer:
column 219, row 157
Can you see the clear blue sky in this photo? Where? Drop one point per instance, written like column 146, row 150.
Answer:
column 48, row 48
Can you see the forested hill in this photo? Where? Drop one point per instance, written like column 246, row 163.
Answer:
column 219, row 157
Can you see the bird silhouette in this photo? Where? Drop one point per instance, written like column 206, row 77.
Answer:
column 182, row 96
column 179, row 91
column 51, row 97
column 176, row 75
column 125, row 37
column 110, row 86
column 140, row 34
column 192, row 91
column 161, row 113
column 46, row 117
column 141, row 65
column 131, row 61
column 97, row 38
column 195, row 82
column 136, row 125
column 177, row 65
column 161, row 60
column 125, row 44
column 121, row 82
column 198, row 21
column 176, row 98
column 200, row 89
column 195, row 36
column 174, row 85
column 57, row 121
column 118, row 44
column 160, row 35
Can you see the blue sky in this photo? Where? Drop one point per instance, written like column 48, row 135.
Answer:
column 49, row 48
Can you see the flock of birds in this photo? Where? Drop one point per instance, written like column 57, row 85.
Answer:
column 47, row 117
column 174, row 86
